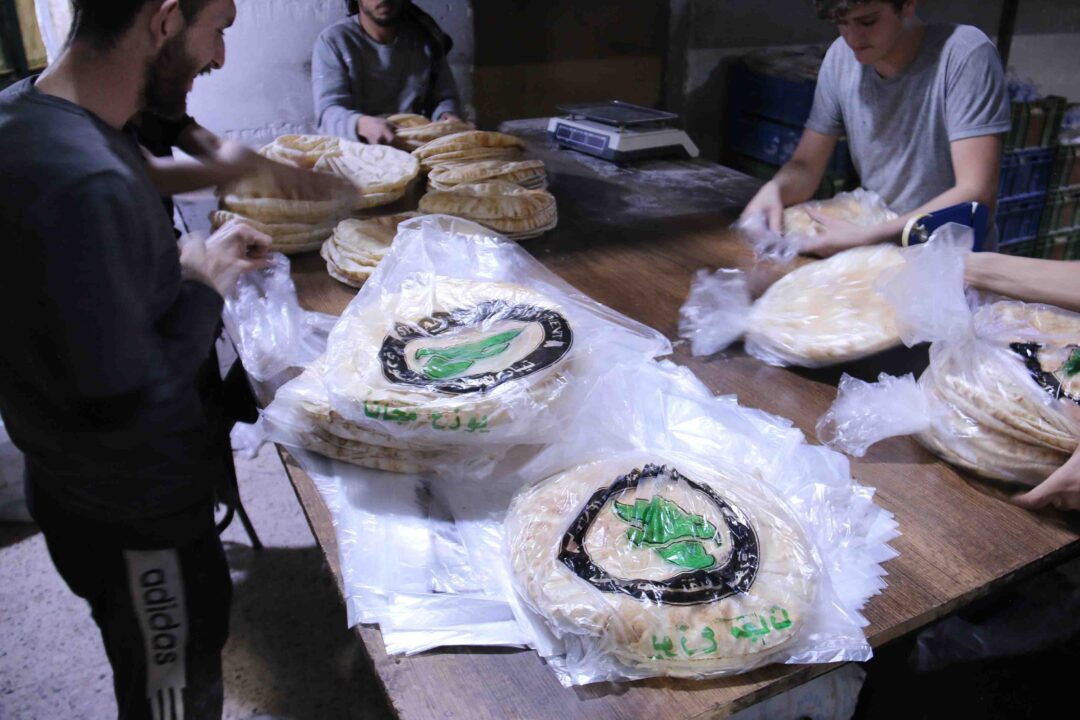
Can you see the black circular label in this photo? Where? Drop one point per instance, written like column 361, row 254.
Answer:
column 446, row 368
column 704, row 580
column 1049, row 380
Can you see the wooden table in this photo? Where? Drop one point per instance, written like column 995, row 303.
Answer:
column 632, row 238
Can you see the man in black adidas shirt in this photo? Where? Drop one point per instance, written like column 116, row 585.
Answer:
column 106, row 330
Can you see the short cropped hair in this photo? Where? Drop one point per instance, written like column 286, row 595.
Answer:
column 835, row 9
column 102, row 22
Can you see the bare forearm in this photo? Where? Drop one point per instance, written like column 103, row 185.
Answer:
column 1030, row 279
column 891, row 231
column 796, row 181
column 173, row 177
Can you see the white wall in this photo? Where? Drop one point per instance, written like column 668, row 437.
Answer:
column 264, row 89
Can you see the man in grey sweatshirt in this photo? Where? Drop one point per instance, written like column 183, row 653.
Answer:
column 388, row 58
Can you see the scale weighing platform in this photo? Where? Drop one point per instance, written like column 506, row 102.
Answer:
column 620, row 132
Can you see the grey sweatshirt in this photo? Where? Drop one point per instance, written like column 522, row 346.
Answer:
column 352, row 75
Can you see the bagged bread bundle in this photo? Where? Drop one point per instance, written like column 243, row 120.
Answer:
column 468, row 146
column 460, row 338
column 993, row 400
column 822, row 313
column 357, row 245
column 529, row 174
column 381, row 174
column 509, row 209
column 669, row 566
column 860, row 207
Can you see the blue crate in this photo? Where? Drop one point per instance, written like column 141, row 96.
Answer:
column 1018, row 219
column 774, row 143
column 768, row 96
column 1024, row 172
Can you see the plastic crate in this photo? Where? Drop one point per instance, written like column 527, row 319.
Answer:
column 1035, row 123
column 1066, row 167
column 1025, row 171
column 1018, row 219
column 1063, row 245
column 775, row 98
column 1062, row 211
column 830, row 184
column 1036, row 247
column 774, row 143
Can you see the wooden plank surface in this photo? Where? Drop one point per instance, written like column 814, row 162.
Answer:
column 631, row 240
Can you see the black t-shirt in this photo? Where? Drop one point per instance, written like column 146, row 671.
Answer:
column 102, row 339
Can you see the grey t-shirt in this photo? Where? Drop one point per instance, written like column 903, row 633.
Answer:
column 352, row 75
column 899, row 128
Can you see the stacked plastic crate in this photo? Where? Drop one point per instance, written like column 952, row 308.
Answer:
column 1026, row 168
column 770, row 94
column 1060, row 227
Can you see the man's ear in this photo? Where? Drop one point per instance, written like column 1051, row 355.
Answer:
column 166, row 21
column 908, row 10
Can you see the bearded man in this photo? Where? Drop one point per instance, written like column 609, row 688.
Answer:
column 104, row 379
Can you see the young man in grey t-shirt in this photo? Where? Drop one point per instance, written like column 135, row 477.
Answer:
column 923, row 108
column 390, row 58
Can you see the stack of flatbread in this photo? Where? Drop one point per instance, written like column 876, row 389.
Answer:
column 1000, row 401
column 357, row 245
column 415, row 131
column 860, row 207
column 381, row 174
column 293, row 225
column 827, row 311
column 469, row 146
column 509, row 209
column 529, row 174
column 668, row 566
column 441, row 364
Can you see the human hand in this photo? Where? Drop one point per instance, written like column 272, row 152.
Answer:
column 767, row 201
column 296, row 183
column 219, row 261
column 1062, row 489
column 837, row 235
column 375, row 130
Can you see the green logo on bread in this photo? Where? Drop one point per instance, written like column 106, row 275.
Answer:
column 670, row 531
column 456, row 360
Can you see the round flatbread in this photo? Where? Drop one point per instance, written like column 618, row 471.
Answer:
column 368, row 238
column 519, row 172
column 672, row 567
column 402, row 121
column 496, row 200
column 859, row 207
column 421, row 135
column 372, row 169
column 453, row 360
column 827, row 311
column 286, row 238
column 468, row 140
column 300, row 150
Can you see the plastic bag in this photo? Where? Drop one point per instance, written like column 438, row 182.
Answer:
column 461, row 337
column 822, row 313
column 700, row 447
column 271, row 331
column 993, row 398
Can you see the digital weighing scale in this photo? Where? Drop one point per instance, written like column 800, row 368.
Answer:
column 620, row 132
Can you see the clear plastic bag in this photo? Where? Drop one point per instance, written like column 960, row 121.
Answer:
column 716, row 312
column 992, row 398
column 461, row 337
column 271, row 331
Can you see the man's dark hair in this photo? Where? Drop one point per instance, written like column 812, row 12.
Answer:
column 835, row 9
column 103, row 21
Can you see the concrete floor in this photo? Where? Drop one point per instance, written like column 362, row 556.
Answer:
column 289, row 654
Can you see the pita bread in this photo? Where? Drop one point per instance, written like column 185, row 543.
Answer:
column 470, row 155
column 288, row 238
column 403, row 121
column 421, row 135
column 495, row 200
column 372, row 169
column 468, row 140
column 859, row 207
column 518, row 172
column 668, row 565
column 827, row 311
column 300, row 150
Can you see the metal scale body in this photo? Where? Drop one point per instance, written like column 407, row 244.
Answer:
column 620, row 132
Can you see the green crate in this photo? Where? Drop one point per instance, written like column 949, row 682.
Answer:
column 1062, row 211
column 830, row 184
column 1035, row 123
column 1065, row 245
column 1066, row 167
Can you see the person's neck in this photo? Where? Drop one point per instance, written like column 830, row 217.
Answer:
column 107, row 84
column 905, row 51
column 382, row 34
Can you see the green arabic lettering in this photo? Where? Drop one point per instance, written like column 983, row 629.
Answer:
column 782, row 624
column 710, row 637
column 435, row 416
column 664, row 647
column 1072, row 365
column 453, row 361
column 370, row 414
